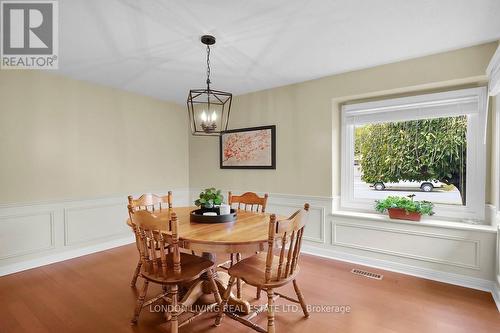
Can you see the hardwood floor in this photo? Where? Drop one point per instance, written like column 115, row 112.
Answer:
column 92, row 294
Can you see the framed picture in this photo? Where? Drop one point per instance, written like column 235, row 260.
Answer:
column 248, row 148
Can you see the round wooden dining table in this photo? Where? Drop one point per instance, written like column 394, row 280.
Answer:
column 248, row 234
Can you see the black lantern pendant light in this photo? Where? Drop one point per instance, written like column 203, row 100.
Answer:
column 208, row 109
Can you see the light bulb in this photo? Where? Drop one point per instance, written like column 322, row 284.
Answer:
column 203, row 116
column 214, row 117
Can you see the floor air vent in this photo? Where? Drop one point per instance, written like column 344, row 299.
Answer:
column 367, row 274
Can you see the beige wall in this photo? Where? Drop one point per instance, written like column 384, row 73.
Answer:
column 308, row 121
column 67, row 139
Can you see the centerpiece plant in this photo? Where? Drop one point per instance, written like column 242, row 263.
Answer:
column 209, row 198
column 404, row 208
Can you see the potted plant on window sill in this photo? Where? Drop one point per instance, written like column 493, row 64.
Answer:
column 404, row 208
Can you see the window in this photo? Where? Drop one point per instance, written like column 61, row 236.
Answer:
column 431, row 146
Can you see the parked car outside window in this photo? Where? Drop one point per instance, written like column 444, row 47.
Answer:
column 425, row 186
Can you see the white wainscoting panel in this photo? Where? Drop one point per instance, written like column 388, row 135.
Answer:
column 438, row 250
column 36, row 234
column 452, row 248
column 424, row 246
column 26, row 233
column 94, row 223
column 403, row 268
column 315, row 231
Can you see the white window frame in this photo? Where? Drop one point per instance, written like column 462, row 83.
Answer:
column 471, row 102
column 493, row 73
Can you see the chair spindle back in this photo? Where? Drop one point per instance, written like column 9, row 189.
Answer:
column 248, row 201
column 150, row 202
column 285, row 237
column 153, row 239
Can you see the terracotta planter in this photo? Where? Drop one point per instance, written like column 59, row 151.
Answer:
column 401, row 214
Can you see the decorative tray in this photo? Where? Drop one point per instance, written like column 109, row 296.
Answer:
column 198, row 217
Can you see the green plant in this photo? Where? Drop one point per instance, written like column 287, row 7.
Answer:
column 416, row 150
column 209, row 197
column 422, row 207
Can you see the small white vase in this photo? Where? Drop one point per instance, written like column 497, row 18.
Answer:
column 225, row 209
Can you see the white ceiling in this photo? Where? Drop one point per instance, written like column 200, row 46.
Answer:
column 152, row 47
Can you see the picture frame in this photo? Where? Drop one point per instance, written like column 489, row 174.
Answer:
column 248, row 148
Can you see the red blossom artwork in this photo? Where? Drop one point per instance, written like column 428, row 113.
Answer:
column 247, row 148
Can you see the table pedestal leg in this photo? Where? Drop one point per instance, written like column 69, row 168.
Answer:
column 221, row 279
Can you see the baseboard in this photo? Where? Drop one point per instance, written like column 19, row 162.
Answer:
column 440, row 276
column 65, row 255
column 496, row 295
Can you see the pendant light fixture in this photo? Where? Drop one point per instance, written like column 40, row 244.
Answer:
column 208, row 109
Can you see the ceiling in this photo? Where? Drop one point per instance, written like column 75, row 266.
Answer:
column 153, row 47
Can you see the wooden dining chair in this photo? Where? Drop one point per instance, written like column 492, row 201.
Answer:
column 168, row 269
column 248, row 201
column 149, row 202
column 269, row 271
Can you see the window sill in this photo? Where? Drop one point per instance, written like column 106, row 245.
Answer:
column 424, row 222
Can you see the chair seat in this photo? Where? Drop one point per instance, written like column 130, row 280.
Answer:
column 252, row 271
column 192, row 268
